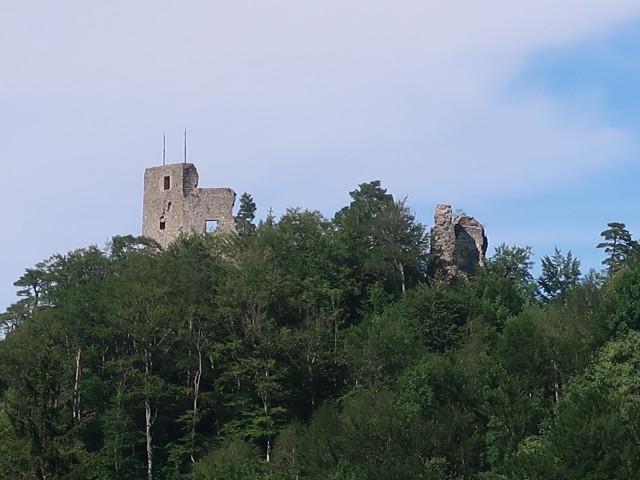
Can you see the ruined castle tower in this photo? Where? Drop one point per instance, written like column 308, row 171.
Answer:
column 460, row 243
column 174, row 205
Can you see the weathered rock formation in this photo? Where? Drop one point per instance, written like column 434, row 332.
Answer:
column 460, row 243
column 443, row 237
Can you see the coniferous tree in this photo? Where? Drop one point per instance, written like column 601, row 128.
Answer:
column 246, row 215
column 617, row 245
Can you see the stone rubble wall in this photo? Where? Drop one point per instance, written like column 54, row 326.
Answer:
column 182, row 208
column 443, row 234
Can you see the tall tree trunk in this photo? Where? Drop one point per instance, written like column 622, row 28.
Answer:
column 268, row 450
column 196, row 395
column 556, row 383
column 76, row 386
column 149, row 419
column 149, row 423
column 402, row 277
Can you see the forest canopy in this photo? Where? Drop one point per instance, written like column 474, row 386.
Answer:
column 313, row 348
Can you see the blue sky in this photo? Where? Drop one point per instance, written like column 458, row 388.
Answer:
column 599, row 70
column 523, row 114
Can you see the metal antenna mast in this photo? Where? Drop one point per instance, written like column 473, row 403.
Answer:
column 185, row 145
column 164, row 149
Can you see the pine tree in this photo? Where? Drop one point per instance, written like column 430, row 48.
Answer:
column 246, row 215
column 617, row 245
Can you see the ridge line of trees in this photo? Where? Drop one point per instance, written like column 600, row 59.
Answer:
column 315, row 348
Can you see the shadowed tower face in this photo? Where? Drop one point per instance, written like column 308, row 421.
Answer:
column 173, row 205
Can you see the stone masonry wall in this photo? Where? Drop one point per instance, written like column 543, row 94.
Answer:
column 173, row 205
column 443, row 237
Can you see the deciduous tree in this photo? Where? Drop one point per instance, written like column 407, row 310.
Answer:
column 559, row 274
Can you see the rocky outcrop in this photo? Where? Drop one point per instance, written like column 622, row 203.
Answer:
column 471, row 243
column 443, row 237
column 460, row 244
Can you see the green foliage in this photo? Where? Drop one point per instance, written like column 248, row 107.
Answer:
column 379, row 241
column 595, row 432
column 617, row 245
column 427, row 319
column 493, row 299
column 235, row 461
column 513, row 263
column 36, row 405
column 15, row 458
column 559, row 274
column 419, row 426
column 246, row 215
column 624, row 300
column 313, row 348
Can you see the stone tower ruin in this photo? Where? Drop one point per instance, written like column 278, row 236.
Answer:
column 460, row 243
column 173, row 204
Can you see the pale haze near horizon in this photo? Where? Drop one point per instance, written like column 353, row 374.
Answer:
column 299, row 102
